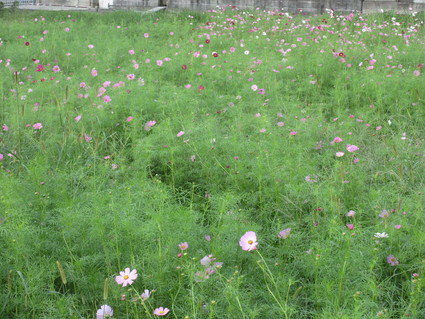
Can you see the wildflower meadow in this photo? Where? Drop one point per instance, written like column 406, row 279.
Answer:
column 219, row 164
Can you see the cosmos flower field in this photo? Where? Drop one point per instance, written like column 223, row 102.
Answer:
column 224, row 164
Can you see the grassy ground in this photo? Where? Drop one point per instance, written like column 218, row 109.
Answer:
column 151, row 142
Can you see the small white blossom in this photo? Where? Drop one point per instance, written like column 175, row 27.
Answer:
column 381, row 235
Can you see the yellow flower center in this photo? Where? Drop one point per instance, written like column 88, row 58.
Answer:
column 126, row 277
column 161, row 311
column 250, row 242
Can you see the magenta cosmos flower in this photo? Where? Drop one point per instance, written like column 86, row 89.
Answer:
column 161, row 311
column 37, row 126
column 248, row 241
column 104, row 312
column 126, row 277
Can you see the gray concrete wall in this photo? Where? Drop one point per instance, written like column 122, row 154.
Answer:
column 67, row 3
column 307, row 6
column 370, row 6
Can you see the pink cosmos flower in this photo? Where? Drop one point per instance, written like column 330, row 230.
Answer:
column 83, row 85
column 161, row 311
column 101, row 91
column 263, row 130
column 352, row 148
column 293, row 133
column 87, row 137
column 66, row 29
column 416, row 73
column 145, row 295
column 106, row 84
column 149, row 124
column 130, row 77
column 248, row 241
column 56, row 68
column 94, row 72
column 106, row 99
column 78, row 118
column 254, row 87
column 384, row 214
column 90, row 46
column 40, row 68
column 337, row 140
column 37, row 126
column 1, row 156
column 350, row 226
column 5, row 127
column 131, row 52
column 351, row 213
column 104, row 312
column 146, row 35
column 339, row 154
column 280, row 124
column 129, row 119
column 126, row 277
column 207, row 260
column 180, row 133
column 392, row 260
column 284, row 233
column 183, row 246
column 261, row 91
column 159, row 62
column 397, row 226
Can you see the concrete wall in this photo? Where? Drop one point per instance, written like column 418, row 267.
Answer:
column 307, row 6
column 68, row 3
column 370, row 6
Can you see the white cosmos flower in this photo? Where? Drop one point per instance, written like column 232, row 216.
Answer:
column 381, row 235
